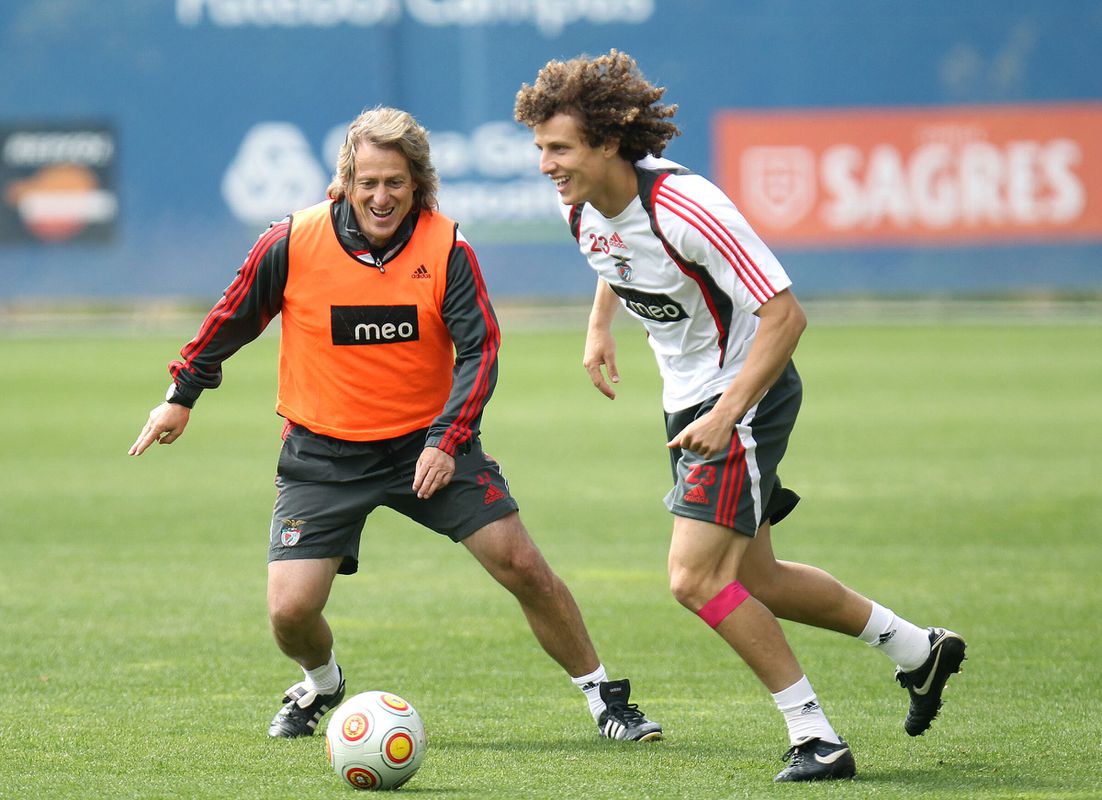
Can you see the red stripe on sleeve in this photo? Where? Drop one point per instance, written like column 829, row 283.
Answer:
column 460, row 430
column 730, row 236
column 238, row 290
column 721, row 239
column 721, row 328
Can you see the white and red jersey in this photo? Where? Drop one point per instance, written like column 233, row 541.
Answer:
column 685, row 262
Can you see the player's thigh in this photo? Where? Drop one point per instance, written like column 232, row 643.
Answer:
column 704, row 557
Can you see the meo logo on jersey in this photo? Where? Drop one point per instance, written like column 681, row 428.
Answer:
column 352, row 325
column 657, row 307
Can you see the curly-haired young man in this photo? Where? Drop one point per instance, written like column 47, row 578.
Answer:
column 671, row 248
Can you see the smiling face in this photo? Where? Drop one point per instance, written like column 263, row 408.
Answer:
column 583, row 173
column 381, row 191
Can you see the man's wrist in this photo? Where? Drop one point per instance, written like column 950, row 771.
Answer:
column 179, row 398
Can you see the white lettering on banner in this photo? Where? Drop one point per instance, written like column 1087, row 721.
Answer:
column 35, row 148
column 496, row 149
column 548, row 16
column 93, row 206
column 491, row 201
column 288, row 13
column 939, row 185
column 273, row 174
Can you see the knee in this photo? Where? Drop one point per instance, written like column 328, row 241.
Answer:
column 527, row 570
column 689, row 588
column 507, row 552
column 291, row 613
column 521, row 568
column 709, row 603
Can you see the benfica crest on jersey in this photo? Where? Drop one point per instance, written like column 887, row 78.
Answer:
column 623, row 268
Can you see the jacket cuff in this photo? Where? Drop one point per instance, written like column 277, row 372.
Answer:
column 182, row 395
column 437, row 440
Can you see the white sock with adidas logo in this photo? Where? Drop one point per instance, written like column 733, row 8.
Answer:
column 906, row 644
column 802, row 714
column 591, row 687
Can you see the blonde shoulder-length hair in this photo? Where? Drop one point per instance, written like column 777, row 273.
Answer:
column 397, row 130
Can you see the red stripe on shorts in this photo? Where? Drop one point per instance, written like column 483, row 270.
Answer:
column 730, row 488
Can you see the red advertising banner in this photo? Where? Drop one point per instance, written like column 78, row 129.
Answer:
column 916, row 176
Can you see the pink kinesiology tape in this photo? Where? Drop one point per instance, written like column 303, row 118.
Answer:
column 728, row 599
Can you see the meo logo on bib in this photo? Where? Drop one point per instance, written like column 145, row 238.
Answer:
column 353, row 325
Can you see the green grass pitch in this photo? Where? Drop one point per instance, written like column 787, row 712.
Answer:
column 953, row 472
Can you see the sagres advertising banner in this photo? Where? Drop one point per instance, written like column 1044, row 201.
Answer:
column 917, row 176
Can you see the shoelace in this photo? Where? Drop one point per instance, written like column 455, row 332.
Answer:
column 628, row 714
column 909, row 679
column 794, row 755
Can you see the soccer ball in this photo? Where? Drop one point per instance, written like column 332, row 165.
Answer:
column 375, row 740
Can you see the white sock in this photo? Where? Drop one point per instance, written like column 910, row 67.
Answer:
column 906, row 644
column 324, row 679
column 802, row 714
column 591, row 686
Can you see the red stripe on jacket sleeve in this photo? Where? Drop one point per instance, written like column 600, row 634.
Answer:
column 460, row 430
column 234, row 295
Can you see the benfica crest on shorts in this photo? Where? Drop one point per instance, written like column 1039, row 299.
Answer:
column 290, row 531
column 623, row 268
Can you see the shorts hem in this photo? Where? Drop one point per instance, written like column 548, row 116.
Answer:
column 475, row 525
column 691, row 513
column 302, row 554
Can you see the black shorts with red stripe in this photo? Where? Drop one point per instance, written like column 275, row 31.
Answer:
column 739, row 488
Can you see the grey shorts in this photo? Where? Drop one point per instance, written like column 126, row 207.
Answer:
column 327, row 487
column 739, row 488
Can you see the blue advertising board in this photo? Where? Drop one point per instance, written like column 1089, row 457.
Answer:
column 144, row 144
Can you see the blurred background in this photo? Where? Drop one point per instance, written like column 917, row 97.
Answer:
column 881, row 148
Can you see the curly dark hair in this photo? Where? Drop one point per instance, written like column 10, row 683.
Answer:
column 610, row 99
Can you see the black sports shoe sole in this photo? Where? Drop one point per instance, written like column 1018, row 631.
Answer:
column 926, row 701
column 611, row 732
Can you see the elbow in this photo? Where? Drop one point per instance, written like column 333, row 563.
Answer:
column 793, row 322
column 799, row 322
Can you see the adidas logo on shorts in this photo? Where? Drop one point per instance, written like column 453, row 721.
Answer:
column 696, row 495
